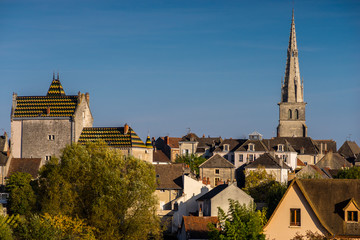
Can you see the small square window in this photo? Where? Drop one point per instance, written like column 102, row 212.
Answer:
column 217, row 171
column 295, row 217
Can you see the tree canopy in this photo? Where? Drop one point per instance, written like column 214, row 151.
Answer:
column 349, row 173
column 240, row 223
column 192, row 160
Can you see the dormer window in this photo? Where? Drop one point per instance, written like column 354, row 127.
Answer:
column 226, row 147
column 280, row 147
column 251, row 147
column 351, row 212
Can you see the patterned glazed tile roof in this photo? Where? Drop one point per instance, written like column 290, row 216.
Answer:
column 55, row 88
column 113, row 136
column 36, row 106
column 148, row 142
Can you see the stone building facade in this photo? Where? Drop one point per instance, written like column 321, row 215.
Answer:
column 292, row 105
column 41, row 126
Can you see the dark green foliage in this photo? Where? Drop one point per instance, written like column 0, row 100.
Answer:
column 192, row 160
column 96, row 183
column 22, row 198
column 6, row 224
column 240, row 223
column 349, row 173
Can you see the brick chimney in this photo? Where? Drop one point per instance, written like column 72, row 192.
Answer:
column 48, row 111
column 126, row 128
column 167, row 140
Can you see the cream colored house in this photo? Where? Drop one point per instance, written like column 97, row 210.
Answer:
column 329, row 207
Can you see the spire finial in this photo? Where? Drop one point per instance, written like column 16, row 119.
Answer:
column 58, row 76
column 53, row 75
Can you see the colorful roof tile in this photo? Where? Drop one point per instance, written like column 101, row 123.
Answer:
column 40, row 106
column 55, row 88
column 113, row 136
column 148, row 142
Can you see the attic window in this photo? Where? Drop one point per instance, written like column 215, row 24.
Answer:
column 226, row 147
column 280, row 148
column 351, row 212
column 295, row 217
column 251, row 147
column 352, row 216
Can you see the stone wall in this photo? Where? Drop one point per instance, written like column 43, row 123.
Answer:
column 224, row 174
column 292, row 120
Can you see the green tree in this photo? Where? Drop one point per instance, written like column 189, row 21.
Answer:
column 349, row 173
column 193, row 161
column 255, row 178
column 22, row 198
column 112, row 193
column 240, row 223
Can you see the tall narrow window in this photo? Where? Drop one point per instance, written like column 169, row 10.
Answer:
column 295, row 217
column 241, row 158
column 296, row 114
column 352, row 216
column 290, row 114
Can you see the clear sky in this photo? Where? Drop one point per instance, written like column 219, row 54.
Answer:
column 165, row 66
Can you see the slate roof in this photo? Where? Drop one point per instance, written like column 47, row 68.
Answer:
column 197, row 227
column 3, row 158
column 113, row 136
column 328, row 197
column 333, row 161
column 349, row 149
column 315, row 170
column 259, row 146
column 273, row 143
column 330, row 145
column 3, row 140
column 60, row 105
column 190, row 137
column 169, row 176
column 268, row 161
column 299, row 143
column 233, row 144
column 26, row 165
column 213, row 192
column 159, row 156
column 216, row 161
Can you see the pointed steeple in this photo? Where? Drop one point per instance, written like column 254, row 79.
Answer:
column 55, row 88
column 148, row 142
column 292, row 90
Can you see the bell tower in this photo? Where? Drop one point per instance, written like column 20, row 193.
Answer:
column 292, row 105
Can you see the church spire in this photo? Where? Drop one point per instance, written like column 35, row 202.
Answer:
column 292, row 90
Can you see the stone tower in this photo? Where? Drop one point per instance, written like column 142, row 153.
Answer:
column 292, row 105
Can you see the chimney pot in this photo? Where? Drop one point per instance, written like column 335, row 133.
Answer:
column 126, row 128
column 167, row 140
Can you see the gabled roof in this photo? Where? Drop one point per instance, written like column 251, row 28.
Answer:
column 215, row 191
column 349, row 149
column 173, row 141
column 197, row 227
column 160, row 157
column 216, row 161
column 327, row 145
column 259, row 146
column 327, row 198
column 113, row 136
column 233, row 144
column 313, row 169
column 3, row 158
column 190, row 137
column 333, row 161
column 169, row 176
column 268, row 161
column 26, row 165
column 3, row 142
column 273, row 144
column 305, row 144
column 55, row 88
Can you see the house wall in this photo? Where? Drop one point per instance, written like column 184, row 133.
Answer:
column 222, row 199
column 145, row 154
column 189, row 146
column 187, row 201
column 281, row 175
column 165, row 197
column 245, row 154
column 279, row 227
column 308, row 159
column 82, row 118
column 174, row 152
column 224, row 174
column 16, row 129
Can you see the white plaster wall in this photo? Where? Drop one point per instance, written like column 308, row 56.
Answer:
column 16, row 138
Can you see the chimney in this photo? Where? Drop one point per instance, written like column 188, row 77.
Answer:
column 8, row 152
column 302, row 150
column 79, row 97
column 200, row 211
column 48, row 111
column 126, row 128
column 321, row 148
column 167, row 140
column 203, row 135
column 87, row 97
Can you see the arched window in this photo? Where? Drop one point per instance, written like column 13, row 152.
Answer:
column 296, row 114
column 290, row 114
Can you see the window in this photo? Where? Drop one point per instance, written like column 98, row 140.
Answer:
column 51, row 137
column 226, row 147
column 47, row 158
column 280, row 148
column 241, row 158
column 251, row 157
column 157, row 175
column 162, row 190
column 217, row 171
column 352, row 216
column 251, row 147
column 290, row 114
column 217, row 180
column 296, row 114
column 295, row 217
column 186, row 151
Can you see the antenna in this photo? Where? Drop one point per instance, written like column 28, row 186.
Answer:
column 189, row 130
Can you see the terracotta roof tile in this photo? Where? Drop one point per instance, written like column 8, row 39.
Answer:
column 197, row 227
column 27, row 165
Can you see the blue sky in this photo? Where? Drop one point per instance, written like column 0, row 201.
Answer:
column 165, row 66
